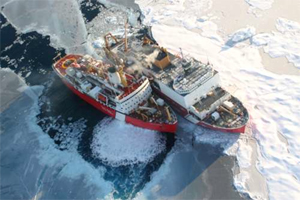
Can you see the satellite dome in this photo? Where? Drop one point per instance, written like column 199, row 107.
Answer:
column 112, row 69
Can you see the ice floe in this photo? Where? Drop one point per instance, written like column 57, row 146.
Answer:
column 185, row 11
column 261, row 4
column 62, row 20
column 285, row 43
column 241, row 35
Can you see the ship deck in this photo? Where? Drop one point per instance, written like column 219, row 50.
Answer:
column 210, row 99
column 236, row 118
column 61, row 69
column 159, row 117
column 145, row 55
column 59, row 65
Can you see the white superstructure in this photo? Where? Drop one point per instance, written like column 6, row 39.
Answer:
column 186, row 81
column 132, row 101
column 190, row 86
column 109, row 90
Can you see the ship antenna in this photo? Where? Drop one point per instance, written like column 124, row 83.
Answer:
column 181, row 53
column 58, row 55
column 208, row 63
column 126, row 45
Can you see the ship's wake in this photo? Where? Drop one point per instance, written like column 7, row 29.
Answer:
column 117, row 143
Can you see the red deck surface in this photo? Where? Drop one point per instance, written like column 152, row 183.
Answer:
column 170, row 128
column 130, row 89
column 59, row 65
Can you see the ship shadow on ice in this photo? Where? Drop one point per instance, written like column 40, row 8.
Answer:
column 199, row 168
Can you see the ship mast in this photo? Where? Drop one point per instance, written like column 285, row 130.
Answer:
column 181, row 53
column 126, row 45
column 122, row 75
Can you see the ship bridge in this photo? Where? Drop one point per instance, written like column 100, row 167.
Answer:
column 192, row 78
column 185, row 80
column 184, row 76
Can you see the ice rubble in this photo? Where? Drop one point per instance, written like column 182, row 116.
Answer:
column 272, row 100
column 67, row 133
column 184, row 11
column 117, row 143
column 42, row 164
column 242, row 34
column 109, row 20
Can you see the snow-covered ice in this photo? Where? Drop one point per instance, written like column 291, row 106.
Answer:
column 285, row 43
column 272, row 100
column 261, row 4
column 241, row 35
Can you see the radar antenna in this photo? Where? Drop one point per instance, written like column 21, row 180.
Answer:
column 125, row 41
column 181, row 53
column 208, row 63
column 57, row 56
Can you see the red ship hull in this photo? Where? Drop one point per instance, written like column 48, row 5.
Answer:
column 228, row 130
column 183, row 112
column 170, row 128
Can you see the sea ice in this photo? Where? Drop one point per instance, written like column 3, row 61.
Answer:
column 30, row 154
column 187, row 163
column 261, row 4
column 285, row 43
column 62, row 20
column 272, row 100
column 241, row 35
